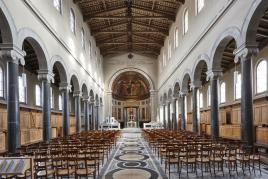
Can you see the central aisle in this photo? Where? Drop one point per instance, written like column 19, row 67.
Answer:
column 132, row 159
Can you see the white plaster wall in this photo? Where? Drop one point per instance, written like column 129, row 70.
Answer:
column 43, row 20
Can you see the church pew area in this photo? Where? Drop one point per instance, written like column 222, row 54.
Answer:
column 185, row 154
column 78, row 155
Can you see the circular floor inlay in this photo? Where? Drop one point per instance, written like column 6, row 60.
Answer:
column 132, row 173
column 132, row 157
column 131, row 148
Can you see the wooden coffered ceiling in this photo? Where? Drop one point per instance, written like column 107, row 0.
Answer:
column 138, row 26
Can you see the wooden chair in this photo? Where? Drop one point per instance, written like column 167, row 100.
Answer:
column 43, row 168
column 255, row 159
column 203, row 158
column 243, row 156
column 88, row 168
column 216, row 158
column 66, row 170
column 190, row 159
column 172, row 157
column 230, row 158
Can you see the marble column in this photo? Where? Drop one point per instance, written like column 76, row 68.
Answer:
column 245, row 54
column 153, row 101
column 183, row 117
column 92, row 114
column 77, row 100
column 109, row 103
column 86, row 114
column 174, row 114
column 46, row 77
column 13, row 56
column 168, row 116
column 195, row 86
column 214, row 75
column 164, row 116
column 64, row 88
column 97, row 117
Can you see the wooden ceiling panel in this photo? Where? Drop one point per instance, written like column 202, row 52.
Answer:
column 139, row 26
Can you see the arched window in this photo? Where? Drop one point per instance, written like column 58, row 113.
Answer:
column 261, row 76
column 72, row 21
column 22, row 90
column 164, row 60
column 60, row 102
column 237, row 84
column 57, row 4
column 89, row 48
column 1, row 82
column 83, row 38
column 37, row 95
column 223, row 93
column 185, row 21
column 51, row 98
column 200, row 5
column 176, row 39
column 209, row 95
column 201, row 102
column 169, row 50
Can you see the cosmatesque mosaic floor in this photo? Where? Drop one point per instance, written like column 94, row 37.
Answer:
column 133, row 159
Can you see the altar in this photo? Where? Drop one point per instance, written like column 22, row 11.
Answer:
column 131, row 124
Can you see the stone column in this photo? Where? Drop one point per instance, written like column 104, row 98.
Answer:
column 195, row 86
column 109, row 95
column 168, row 116
column 164, row 116
column 46, row 77
column 245, row 54
column 77, row 98
column 183, row 117
column 214, row 75
column 92, row 114
column 96, row 127
column 13, row 56
column 64, row 88
column 86, row 113
column 153, row 100
column 174, row 114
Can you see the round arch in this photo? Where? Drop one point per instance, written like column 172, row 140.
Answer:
column 84, row 90
column 75, row 81
column 58, row 63
column 8, row 28
column 198, row 69
column 250, row 25
column 220, row 44
column 176, row 88
column 37, row 44
column 185, row 80
column 116, row 74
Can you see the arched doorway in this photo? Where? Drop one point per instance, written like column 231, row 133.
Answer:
column 131, row 99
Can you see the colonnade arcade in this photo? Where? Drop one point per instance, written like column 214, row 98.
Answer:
column 51, row 102
column 219, row 95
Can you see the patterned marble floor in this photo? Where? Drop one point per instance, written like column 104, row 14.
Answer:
column 133, row 159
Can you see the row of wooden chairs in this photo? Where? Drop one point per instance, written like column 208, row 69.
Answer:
column 186, row 149
column 78, row 155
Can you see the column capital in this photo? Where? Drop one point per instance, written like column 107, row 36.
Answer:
column 12, row 53
column 109, row 92
column 196, row 84
column 245, row 52
column 153, row 92
column 183, row 93
column 45, row 75
column 64, row 86
column 214, row 74
column 77, row 94
column 85, row 99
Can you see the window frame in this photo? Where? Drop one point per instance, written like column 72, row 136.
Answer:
column 51, row 98
column 201, row 99
column 208, row 96
column 235, row 87
column 60, row 6
column 60, row 106
column 222, row 83
column 20, row 80
column 176, row 38
column 198, row 10
column 83, row 42
column 186, row 11
column 72, row 24
column 40, row 94
column 2, row 96
column 256, row 76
